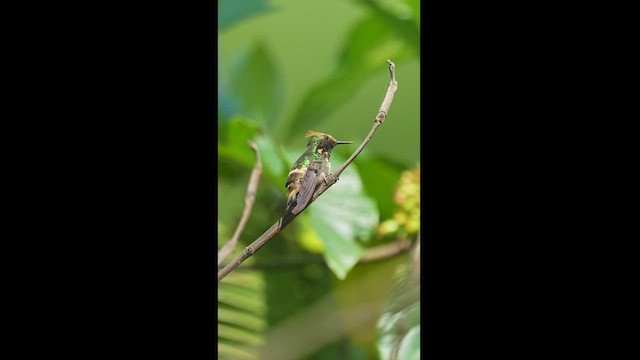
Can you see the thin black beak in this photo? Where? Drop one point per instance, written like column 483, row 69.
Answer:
column 344, row 142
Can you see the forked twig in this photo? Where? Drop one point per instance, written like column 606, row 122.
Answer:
column 249, row 200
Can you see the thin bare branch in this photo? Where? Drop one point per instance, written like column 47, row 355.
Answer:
column 249, row 200
column 382, row 115
column 331, row 179
column 376, row 253
column 388, row 98
column 385, row 251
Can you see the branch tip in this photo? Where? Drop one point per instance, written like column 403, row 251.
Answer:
column 392, row 70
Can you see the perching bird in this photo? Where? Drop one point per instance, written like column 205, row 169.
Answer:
column 311, row 168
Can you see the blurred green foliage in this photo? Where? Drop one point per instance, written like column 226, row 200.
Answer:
column 286, row 67
column 399, row 325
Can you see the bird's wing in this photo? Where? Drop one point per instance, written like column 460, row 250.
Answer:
column 307, row 186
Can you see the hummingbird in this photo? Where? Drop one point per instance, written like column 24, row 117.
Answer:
column 311, row 169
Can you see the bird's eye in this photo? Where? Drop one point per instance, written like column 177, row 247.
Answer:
column 326, row 137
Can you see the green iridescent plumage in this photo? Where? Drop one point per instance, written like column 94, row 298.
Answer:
column 310, row 169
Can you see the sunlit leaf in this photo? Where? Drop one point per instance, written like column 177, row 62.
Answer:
column 341, row 252
column 410, row 345
column 380, row 178
column 309, row 238
column 343, row 215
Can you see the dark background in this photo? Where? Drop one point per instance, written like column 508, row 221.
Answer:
column 119, row 167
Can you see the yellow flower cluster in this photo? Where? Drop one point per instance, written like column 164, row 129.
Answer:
column 406, row 219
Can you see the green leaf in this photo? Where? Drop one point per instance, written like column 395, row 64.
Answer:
column 401, row 9
column 397, row 16
column 410, row 345
column 380, row 178
column 255, row 84
column 399, row 326
column 241, row 315
column 231, row 11
column 400, row 334
column 370, row 44
column 415, row 10
column 341, row 216
column 232, row 141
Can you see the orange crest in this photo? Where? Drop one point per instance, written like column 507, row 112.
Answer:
column 311, row 133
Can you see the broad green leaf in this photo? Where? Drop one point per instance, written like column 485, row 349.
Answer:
column 232, row 141
column 256, row 85
column 232, row 11
column 343, row 215
column 341, row 252
column 379, row 178
column 308, row 236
